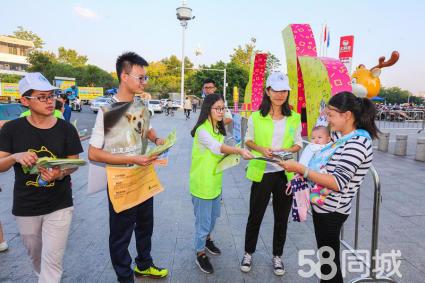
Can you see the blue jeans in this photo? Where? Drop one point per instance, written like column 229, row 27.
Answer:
column 206, row 213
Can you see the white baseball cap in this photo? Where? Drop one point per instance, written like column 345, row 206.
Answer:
column 35, row 81
column 278, row 81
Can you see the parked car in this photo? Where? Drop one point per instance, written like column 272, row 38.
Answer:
column 99, row 102
column 9, row 112
column 156, row 105
column 176, row 104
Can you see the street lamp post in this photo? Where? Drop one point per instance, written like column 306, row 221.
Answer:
column 184, row 14
column 224, row 86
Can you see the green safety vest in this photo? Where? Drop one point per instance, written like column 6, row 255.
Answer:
column 57, row 114
column 204, row 183
column 263, row 135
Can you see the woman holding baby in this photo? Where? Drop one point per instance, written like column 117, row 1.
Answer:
column 352, row 121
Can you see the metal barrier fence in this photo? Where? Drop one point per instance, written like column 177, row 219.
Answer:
column 399, row 119
column 377, row 199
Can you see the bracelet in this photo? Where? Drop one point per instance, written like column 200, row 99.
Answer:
column 306, row 173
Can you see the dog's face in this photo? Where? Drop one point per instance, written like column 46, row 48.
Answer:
column 137, row 121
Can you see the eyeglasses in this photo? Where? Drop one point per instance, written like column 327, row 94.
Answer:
column 43, row 98
column 219, row 109
column 142, row 79
column 209, row 87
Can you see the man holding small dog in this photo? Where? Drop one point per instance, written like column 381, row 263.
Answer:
column 132, row 78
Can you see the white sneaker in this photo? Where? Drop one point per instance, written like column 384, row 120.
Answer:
column 3, row 246
column 278, row 267
column 246, row 263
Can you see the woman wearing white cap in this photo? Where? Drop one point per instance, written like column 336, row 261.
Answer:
column 272, row 129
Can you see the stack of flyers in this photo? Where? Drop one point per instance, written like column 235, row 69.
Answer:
column 277, row 157
column 160, row 149
column 226, row 162
column 48, row 162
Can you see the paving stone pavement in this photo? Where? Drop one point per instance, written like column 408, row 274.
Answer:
column 402, row 224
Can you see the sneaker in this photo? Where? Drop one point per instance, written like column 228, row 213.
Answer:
column 203, row 262
column 246, row 263
column 278, row 267
column 3, row 246
column 152, row 272
column 211, row 248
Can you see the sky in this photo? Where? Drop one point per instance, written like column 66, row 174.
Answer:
column 104, row 29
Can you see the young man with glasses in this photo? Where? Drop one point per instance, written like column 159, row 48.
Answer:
column 42, row 203
column 57, row 113
column 139, row 219
column 208, row 87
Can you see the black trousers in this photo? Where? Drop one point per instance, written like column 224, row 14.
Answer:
column 327, row 227
column 140, row 220
column 275, row 184
column 187, row 113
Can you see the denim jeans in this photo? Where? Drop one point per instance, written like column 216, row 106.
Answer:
column 206, row 213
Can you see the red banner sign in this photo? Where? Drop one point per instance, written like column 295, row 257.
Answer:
column 258, row 80
column 346, row 45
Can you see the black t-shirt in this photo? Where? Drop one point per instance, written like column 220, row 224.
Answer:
column 60, row 141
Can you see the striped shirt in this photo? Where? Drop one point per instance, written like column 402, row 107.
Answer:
column 349, row 165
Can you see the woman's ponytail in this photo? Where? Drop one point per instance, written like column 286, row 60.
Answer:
column 366, row 118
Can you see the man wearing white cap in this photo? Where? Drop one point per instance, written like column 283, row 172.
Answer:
column 42, row 203
column 274, row 128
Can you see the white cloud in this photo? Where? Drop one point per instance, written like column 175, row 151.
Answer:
column 85, row 13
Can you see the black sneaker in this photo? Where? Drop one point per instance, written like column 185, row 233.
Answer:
column 204, row 264
column 246, row 263
column 278, row 267
column 211, row 248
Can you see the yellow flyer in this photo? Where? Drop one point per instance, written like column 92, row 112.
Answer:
column 130, row 186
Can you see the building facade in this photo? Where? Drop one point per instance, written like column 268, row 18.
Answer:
column 14, row 54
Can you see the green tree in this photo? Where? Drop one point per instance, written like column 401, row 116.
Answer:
column 87, row 75
column 71, row 56
column 6, row 78
column 236, row 76
column 24, row 34
column 240, row 60
column 394, row 95
column 241, row 56
column 94, row 76
column 38, row 57
column 165, row 76
column 42, row 61
column 272, row 64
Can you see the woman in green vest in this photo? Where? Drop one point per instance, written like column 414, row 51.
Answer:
column 205, row 185
column 272, row 129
